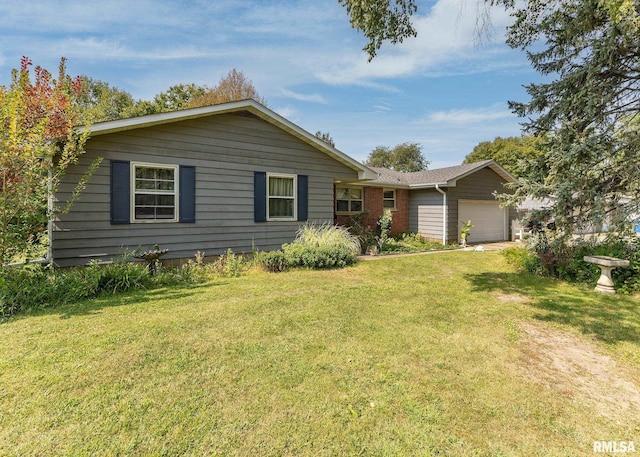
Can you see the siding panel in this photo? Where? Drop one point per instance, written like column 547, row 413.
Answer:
column 425, row 213
column 226, row 150
column 479, row 186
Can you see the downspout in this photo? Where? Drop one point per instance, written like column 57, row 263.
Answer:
column 49, row 256
column 444, row 214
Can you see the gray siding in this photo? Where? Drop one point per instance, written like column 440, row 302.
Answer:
column 425, row 213
column 226, row 149
column 478, row 186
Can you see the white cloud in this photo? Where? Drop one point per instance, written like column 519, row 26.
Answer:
column 314, row 98
column 491, row 113
column 302, row 56
column 288, row 112
column 447, row 42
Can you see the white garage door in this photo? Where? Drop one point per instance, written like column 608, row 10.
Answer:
column 488, row 219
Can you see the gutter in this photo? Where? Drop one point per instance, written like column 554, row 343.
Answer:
column 444, row 214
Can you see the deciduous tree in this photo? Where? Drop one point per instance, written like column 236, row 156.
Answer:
column 326, row 137
column 381, row 20
column 512, row 153
column 403, row 157
column 98, row 102
column 178, row 96
column 38, row 142
column 233, row 87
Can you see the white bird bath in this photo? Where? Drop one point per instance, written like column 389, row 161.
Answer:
column 606, row 264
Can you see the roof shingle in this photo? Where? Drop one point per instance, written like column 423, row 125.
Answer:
column 431, row 177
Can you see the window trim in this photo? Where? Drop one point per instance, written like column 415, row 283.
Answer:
column 395, row 199
column 349, row 200
column 294, row 216
column 176, row 192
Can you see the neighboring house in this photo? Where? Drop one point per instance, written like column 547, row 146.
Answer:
column 235, row 175
column 434, row 203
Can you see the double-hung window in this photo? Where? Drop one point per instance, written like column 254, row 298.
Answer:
column 349, row 199
column 281, row 197
column 154, row 195
column 389, row 199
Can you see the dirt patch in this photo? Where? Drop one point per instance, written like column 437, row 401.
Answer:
column 512, row 298
column 577, row 370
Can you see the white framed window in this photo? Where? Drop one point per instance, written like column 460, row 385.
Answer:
column 389, row 198
column 154, row 192
column 349, row 199
column 281, row 197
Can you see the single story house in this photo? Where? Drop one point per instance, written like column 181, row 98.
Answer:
column 239, row 176
column 231, row 176
column 435, row 203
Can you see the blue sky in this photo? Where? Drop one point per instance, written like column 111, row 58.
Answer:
column 440, row 89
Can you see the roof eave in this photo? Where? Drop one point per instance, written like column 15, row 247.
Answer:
column 494, row 166
column 432, row 185
column 394, row 185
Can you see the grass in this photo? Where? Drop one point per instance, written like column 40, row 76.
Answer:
column 421, row 355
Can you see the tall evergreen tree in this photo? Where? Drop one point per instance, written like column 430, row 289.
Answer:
column 589, row 112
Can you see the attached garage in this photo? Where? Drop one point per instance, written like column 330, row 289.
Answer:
column 490, row 222
column 442, row 200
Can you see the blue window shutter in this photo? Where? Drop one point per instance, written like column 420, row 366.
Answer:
column 187, row 193
column 120, row 192
column 260, row 196
column 303, row 197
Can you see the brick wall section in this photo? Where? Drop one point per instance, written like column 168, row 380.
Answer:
column 373, row 204
column 401, row 215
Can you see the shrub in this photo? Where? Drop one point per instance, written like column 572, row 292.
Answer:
column 115, row 277
column 229, row 265
column 522, row 258
column 365, row 235
column 384, row 228
column 318, row 257
column 565, row 260
column 325, row 235
column 323, row 246
column 412, row 242
column 37, row 286
column 274, row 261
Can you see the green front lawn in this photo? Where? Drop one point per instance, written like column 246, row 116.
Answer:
column 445, row 354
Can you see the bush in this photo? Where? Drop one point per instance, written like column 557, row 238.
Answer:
column 327, row 235
column 37, row 286
column 383, row 228
column 412, row 242
column 565, row 260
column 274, row 261
column 229, row 265
column 324, row 246
column 318, row 257
column 523, row 259
column 366, row 235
